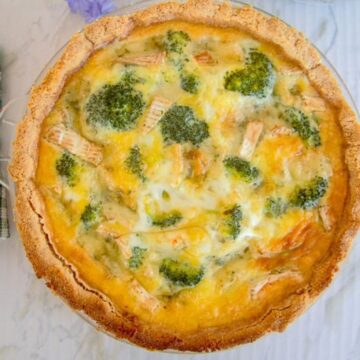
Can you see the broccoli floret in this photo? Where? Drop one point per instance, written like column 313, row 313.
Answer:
column 242, row 168
column 176, row 41
column 116, row 106
column 302, row 125
column 137, row 257
column 175, row 44
column 179, row 124
column 90, row 215
column 129, row 78
column 275, row 207
column 256, row 79
column 66, row 168
column 309, row 196
column 166, row 219
column 189, row 83
column 181, row 273
column 233, row 219
column 134, row 162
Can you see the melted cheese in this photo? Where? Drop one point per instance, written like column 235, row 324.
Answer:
column 232, row 266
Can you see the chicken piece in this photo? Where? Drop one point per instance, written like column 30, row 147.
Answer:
column 147, row 300
column 144, row 60
column 279, row 130
column 75, row 144
column 205, row 58
column 157, row 109
column 290, row 241
column 251, row 138
column 62, row 115
column 270, row 279
column 315, row 103
column 124, row 246
column 326, row 217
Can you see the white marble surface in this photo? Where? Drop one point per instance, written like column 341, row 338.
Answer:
column 34, row 324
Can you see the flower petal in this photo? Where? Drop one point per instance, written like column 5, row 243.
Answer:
column 91, row 9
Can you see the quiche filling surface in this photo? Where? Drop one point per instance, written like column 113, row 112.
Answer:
column 188, row 175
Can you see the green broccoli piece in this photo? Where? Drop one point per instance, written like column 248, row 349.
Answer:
column 181, row 273
column 137, row 257
column 189, row 83
column 176, row 41
column 90, row 215
column 129, row 78
column 309, row 196
column 242, row 168
column 167, row 219
column 116, row 106
column 134, row 162
column 256, row 79
column 275, row 207
column 66, row 168
column 179, row 124
column 175, row 44
column 234, row 217
column 302, row 125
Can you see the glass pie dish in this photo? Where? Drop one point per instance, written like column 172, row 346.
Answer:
column 7, row 112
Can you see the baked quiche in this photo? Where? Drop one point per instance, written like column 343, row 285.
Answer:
column 187, row 176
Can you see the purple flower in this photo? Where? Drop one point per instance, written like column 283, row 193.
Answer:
column 91, row 9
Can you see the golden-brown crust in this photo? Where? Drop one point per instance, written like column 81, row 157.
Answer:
column 107, row 29
column 31, row 216
column 42, row 100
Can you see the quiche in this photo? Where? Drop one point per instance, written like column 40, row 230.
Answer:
column 187, row 176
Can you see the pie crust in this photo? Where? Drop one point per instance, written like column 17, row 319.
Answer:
column 32, row 219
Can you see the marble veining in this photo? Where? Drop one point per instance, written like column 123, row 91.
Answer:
column 35, row 324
